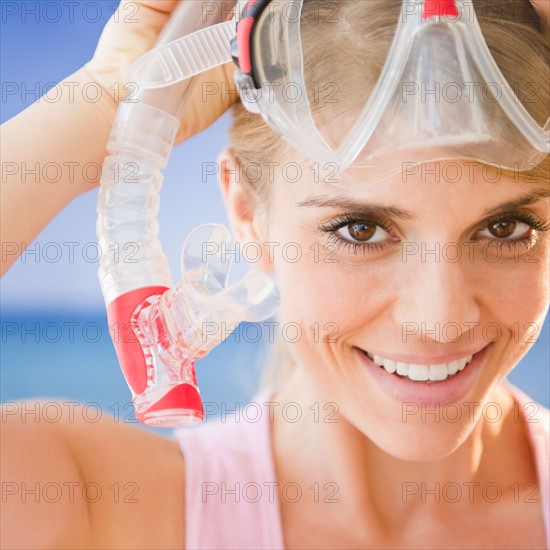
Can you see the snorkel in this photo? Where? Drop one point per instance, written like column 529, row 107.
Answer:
column 160, row 324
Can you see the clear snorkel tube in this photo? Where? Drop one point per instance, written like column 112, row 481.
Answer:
column 160, row 325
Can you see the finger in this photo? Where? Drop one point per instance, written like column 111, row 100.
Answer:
column 129, row 33
column 200, row 113
column 165, row 6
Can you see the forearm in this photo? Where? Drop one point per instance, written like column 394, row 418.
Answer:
column 50, row 153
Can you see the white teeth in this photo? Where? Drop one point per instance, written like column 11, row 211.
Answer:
column 439, row 372
column 454, row 366
column 418, row 372
column 402, row 368
column 390, row 366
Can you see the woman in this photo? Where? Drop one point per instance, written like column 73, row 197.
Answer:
column 349, row 455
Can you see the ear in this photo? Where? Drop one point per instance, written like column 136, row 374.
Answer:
column 248, row 219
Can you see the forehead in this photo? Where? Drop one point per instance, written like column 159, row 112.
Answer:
column 442, row 185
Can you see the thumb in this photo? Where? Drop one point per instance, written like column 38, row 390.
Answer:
column 130, row 32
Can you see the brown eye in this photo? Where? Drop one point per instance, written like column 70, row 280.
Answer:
column 507, row 229
column 361, row 231
column 503, row 229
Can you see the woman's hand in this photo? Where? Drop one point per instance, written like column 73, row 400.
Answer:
column 132, row 31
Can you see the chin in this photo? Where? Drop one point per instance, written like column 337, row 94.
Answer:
column 418, row 442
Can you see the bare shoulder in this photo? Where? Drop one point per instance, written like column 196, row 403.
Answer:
column 97, row 483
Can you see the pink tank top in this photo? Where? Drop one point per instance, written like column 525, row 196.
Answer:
column 231, row 499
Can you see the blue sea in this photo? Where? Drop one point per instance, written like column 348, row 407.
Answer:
column 70, row 357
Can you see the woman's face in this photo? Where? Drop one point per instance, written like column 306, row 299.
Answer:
column 417, row 271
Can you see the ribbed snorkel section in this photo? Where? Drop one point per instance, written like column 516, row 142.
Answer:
column 159, row 326
column 139, row 146
column 127, row 227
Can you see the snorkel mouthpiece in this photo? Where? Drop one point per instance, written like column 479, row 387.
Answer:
column 167, row 329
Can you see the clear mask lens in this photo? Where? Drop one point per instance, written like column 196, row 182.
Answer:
column 386, row 87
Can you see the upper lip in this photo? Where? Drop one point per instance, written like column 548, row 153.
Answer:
column 424, row 359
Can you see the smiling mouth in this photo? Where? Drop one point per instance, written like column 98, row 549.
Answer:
column 421, row 373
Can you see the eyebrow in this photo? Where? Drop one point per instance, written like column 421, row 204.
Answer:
column 373, row 209
column 526, row 200
column 359, row 207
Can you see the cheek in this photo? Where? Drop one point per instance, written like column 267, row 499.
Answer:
column 517, row 286
column 520, row 296
column 327, row 295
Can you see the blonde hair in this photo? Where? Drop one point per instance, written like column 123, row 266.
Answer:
column 516, row 39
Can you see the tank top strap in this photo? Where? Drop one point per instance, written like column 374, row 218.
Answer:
column 537, row 422
column 231, row 497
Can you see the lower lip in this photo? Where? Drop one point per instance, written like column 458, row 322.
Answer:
column 452, row 389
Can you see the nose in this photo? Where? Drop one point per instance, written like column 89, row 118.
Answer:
column 436, row 302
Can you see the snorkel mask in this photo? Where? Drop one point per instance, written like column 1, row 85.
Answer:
column 438, row 49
